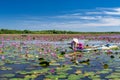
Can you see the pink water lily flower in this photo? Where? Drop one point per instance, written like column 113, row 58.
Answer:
column 53, row 54
column 52, row 70
column 3, row 57
column 67, row 56
column 40, row 53
column 1, row 46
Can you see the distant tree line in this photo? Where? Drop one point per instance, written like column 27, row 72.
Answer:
column 6, row 31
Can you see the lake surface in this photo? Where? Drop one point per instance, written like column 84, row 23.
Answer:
column 20, row 61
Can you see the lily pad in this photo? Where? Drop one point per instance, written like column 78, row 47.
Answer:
column 95, row 77
column 5, row 68
column 1, row 63
column 60, row 69
column 7, row 75
column 18, row 79
column 113, row 76
column 22, row 72
column 4, row 78
column 33, row 76
column 77, row 66
column 54, row 64
column 104, row 71
column 89, row 73
column 75, row 77
column 78, row 72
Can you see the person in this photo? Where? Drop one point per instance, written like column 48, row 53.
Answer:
column 76, row 45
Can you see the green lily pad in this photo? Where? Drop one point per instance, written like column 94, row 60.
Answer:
column 34, row 71
column 19, row 79
column 45, row 70
column 5, row 68
column 117, row 70
column 56, row 76
column 104, row 71
column 95, row 77
column 54, row 64
column 31, row 76
column 1, row 63
column 113, row 76
column 77, row 66
column 118, row 67
column 7, row 75
column 4, row 78
column 60, row 69
column 62, row 73
column 75, row 77
column 23, row 72
column 89, row 73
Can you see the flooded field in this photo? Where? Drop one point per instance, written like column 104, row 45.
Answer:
column 51, row 58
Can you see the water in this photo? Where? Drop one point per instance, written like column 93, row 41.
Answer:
column 15, row 51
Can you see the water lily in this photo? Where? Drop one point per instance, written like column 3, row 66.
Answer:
column 52, row 70
column 3, row 57
column 53, row 55
column 67, row 56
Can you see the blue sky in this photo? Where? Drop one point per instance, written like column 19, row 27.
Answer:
column 73, row 15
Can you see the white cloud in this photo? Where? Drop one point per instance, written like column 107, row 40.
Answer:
column 94, row 12
column 105, row 21
column 77, row 17
column 115, row 11
column 105, row 11
column 112, row 13
column 77, row 21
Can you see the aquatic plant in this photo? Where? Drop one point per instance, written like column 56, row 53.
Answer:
column 7, row 75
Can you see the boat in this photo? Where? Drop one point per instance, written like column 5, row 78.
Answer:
column 98, row 47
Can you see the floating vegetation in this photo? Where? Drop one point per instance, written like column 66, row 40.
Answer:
column 1, row 63
column 7, row 75
column 19, row 79
column 56, row 77
column 4, row 78
column 77, row 66
column 89, row 74
column 63, row 68
column 23, row 72
column 114, row 75
column 75, row 77
column 29, row 59
column 78, row 72
column 5, row 68
column 33, row 76
column 54, row 64
column 42, row 71
column 95, row 77
column 104, row 71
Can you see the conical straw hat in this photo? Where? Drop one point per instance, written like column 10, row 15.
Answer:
column 76, row 40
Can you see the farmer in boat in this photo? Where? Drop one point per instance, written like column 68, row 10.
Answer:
column 76, row 45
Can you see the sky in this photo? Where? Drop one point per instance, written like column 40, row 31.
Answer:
column 70, row 15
